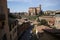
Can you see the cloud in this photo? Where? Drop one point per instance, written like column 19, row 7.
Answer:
column 46, row 4
column 51, row 4
column 21, row 0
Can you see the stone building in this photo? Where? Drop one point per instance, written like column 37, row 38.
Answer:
column 49, row 19
column 7, row 23
column 4, row 29
column 13, row 23
column 49, row 13
column 34, row 10
column 38, row 9
column 57, row 20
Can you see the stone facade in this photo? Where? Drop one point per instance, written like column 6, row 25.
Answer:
column 34, row 10
column 49, row 19
column 51, row 13
column 5, row 33
column 13, row 23
column 57, row 20
column 4, row 30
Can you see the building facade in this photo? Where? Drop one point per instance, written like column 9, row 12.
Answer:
column 49, row 13
column 4, row 29
column 13, row 23
column 49, row 19
column 57, row 20
column 34, row 10
column 8, row 26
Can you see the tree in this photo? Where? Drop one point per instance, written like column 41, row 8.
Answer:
column 19, row 17
column 11, row 15
column 41, row 13
column 38, row 20
column 43, row 22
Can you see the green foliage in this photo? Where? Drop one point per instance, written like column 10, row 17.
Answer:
column 43, row 22
column 41, row 13
column 11, row 15
column 19, row 17
column 30, row 17
column 54, row 27
column 39, row 24
column 38, row 20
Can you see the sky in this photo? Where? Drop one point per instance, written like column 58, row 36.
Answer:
column 23, row 5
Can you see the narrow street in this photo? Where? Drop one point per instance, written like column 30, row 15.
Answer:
column 27, row 35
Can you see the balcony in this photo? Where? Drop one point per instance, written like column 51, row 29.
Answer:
column 2, row 17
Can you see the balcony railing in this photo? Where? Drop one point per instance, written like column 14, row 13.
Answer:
column 2, row 17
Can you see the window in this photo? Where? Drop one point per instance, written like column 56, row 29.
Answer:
column 1, row 9
column 1, row 25
column 10, row 27
column 16, row 22
column 14, row 31
column 13, row 25
column 4, row 37
column 10, row 37
column 2, row 15
column 58, row 21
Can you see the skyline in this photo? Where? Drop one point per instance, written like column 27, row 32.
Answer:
column 23, row 5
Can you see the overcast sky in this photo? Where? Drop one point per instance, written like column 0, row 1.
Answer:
column 23, row 5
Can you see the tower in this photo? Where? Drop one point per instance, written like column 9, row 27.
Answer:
column 40, row 6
